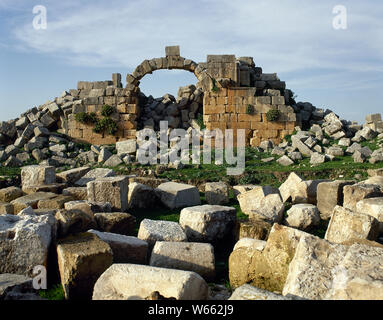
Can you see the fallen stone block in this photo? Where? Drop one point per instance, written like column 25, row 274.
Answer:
column 356, row 192
column 71, row 176
column 54, row 203
column 112, row 189
column 255, row 229
column 31, row 200
column 208, row 223
column 263, row 202
column 216, row 193
column 187, row 256
column 372, row 207
column 93, row 175
column 303, row 216
column 9, row 194
column 37, row 175
column 138, row 282
column 125, row 249
column 73, row 221
column 77, row 193
column 24, row 242
column 116, row 222
column 141, row 196
column 82, row 259
column 157, row 230
column 346, row 225
column 178, row 195
column 329, row 195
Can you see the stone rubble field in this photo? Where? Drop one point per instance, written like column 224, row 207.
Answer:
column 316, row 239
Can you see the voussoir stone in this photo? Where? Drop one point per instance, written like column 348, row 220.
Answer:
column 137, row 282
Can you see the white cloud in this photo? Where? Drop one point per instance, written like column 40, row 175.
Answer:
column 281, row 36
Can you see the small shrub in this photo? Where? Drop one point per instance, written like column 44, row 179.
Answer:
column 272, row 115
column 107, row 110
column 106, row 125
column 86, row 118
column 250, row 109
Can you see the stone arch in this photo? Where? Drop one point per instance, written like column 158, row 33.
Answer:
column 171, row 61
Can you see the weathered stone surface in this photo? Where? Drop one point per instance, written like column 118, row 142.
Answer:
column 178, row 195
column 317, row 158
column 82, row 259
column 208, row 223
column 141, row 196
column 268, row 268
column 287, row 189
column 9, row 194
column 255, row 229
column 329, row 195
column 37, row 175
column 242, row 189
column 262, row 202
column 354, row 193
column 54, row 203
column 116, row 222
column 113, row 161
column 53, row 188
column 321, row 270
column 24, row 242
column 6, row 208
column 372, row 207
column 347, row 225
column 216, row 193
column 248, row 292
column 31, row 200
column 111, row 189
column 12, row 285
column 137, row 282
column 104, row 155
column 303, row 216
column 126, row 147
column 125, row 249
column 77, row 193
column 73, row 175
column 73, row 221
column 285, row 161
column 93, row 175
column 197, row 257
column 156, row 230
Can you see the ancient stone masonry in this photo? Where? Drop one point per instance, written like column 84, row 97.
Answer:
column 232, row 93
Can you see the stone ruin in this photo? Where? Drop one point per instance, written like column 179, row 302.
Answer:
column 231, row 93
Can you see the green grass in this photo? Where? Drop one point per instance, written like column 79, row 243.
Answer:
column 56, row 292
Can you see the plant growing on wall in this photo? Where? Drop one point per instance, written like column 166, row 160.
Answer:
column 250, row 109
column 105, row 124
column 272, row 115
column 107, row 110
column 86, row 118
column 214, row 88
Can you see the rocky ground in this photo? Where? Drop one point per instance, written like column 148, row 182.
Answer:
column 304, row 221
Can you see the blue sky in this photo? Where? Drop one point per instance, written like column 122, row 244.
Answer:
column 89, row 40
